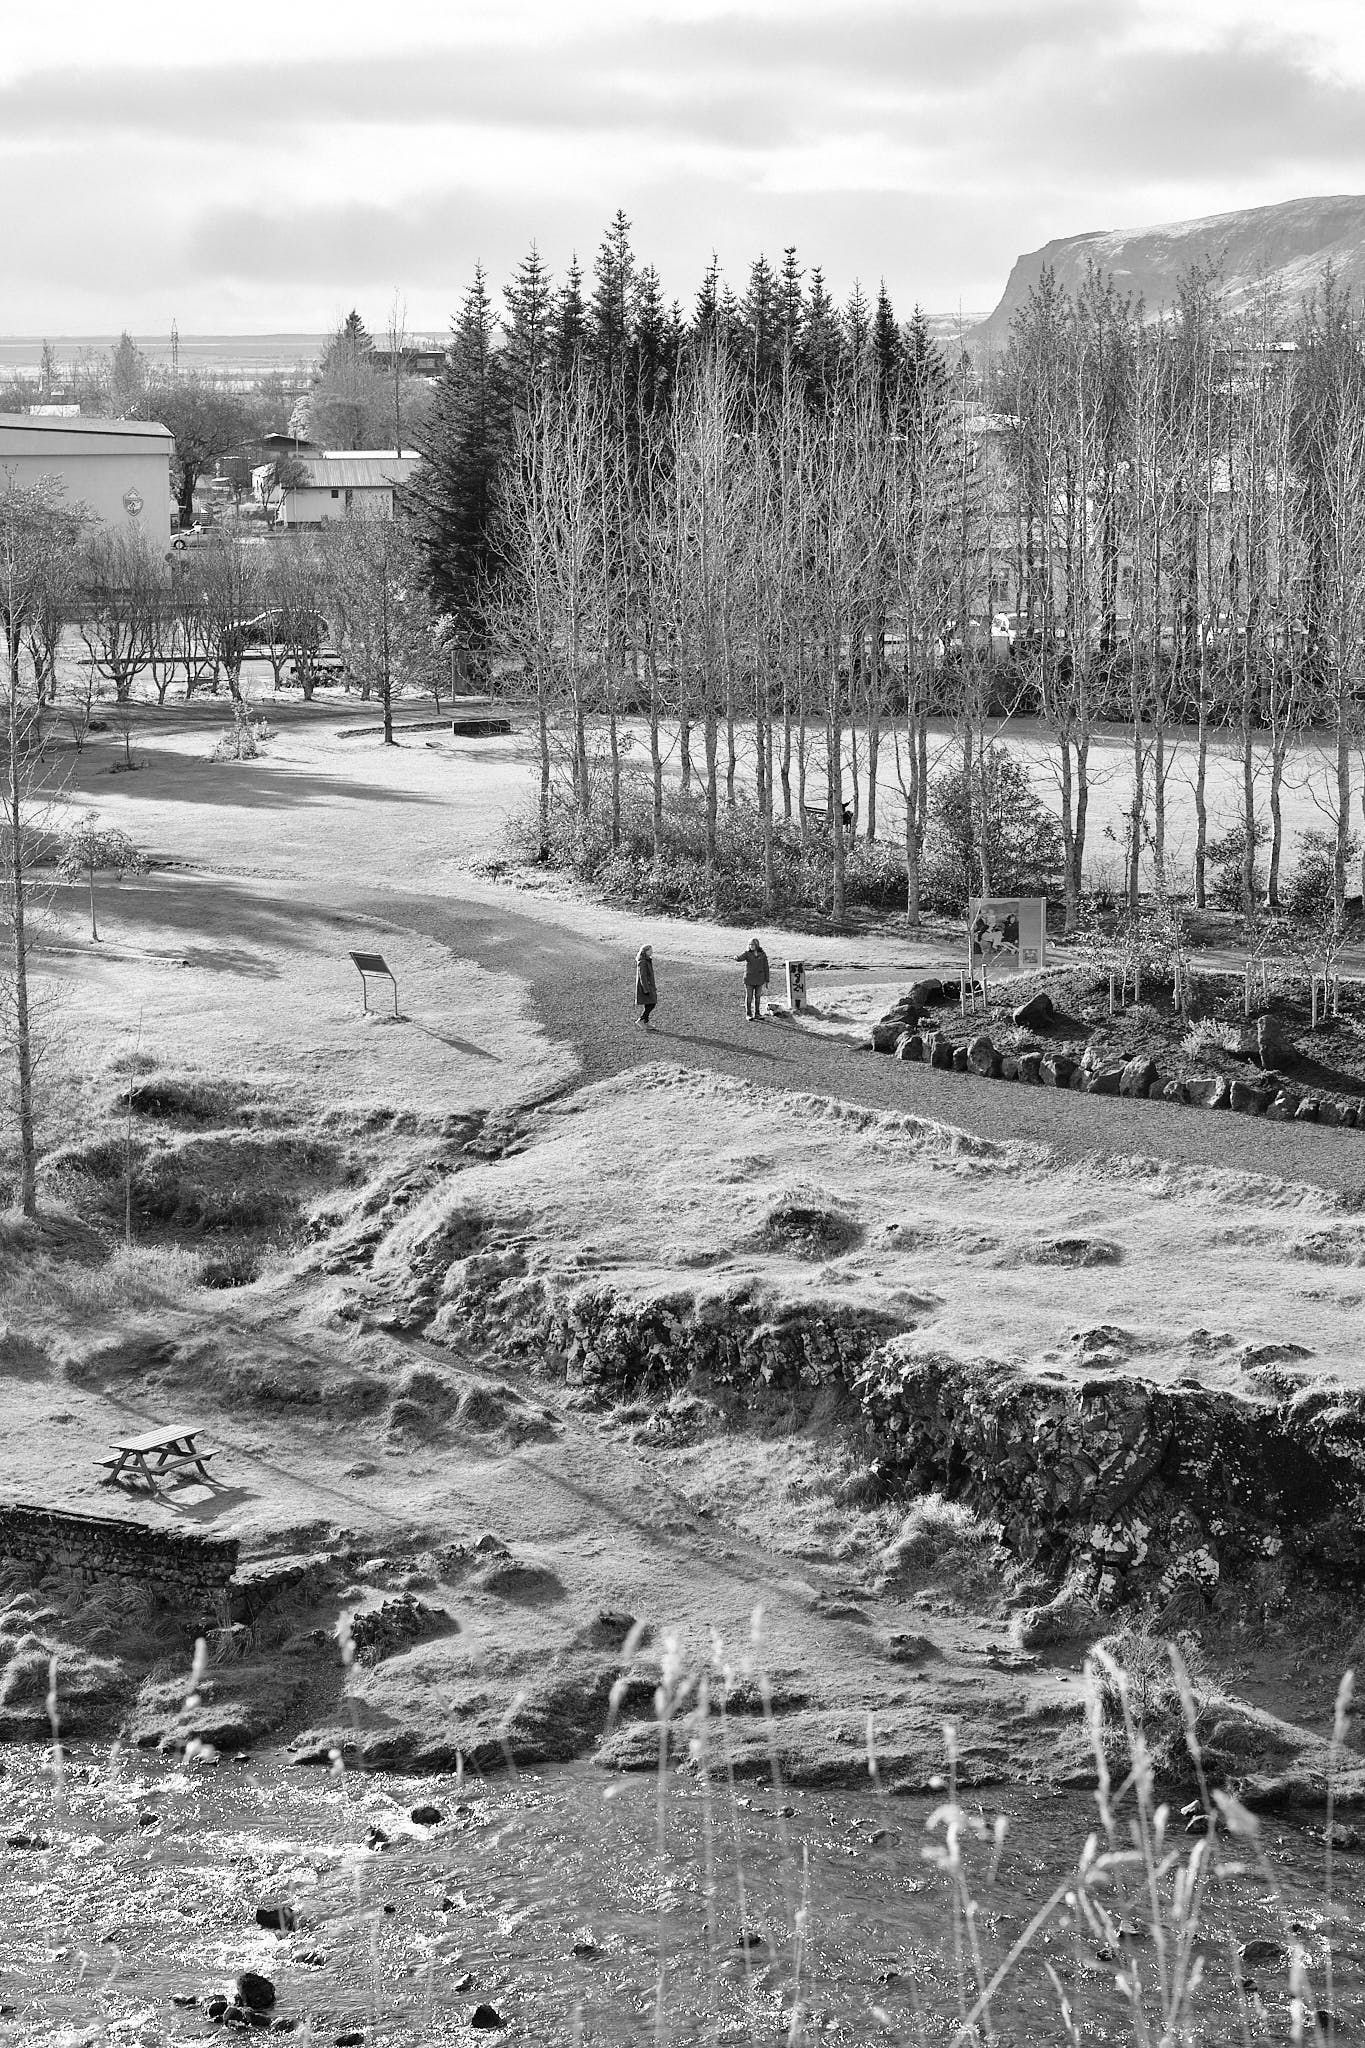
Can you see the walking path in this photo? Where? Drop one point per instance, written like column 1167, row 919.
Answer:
column 582, row 989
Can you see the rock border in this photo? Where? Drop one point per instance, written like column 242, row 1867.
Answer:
column 898, row 1034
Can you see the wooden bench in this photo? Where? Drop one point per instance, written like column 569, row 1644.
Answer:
column 816, row 818
column 156, row 1454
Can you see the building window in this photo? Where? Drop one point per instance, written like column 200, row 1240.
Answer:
column 336, row 494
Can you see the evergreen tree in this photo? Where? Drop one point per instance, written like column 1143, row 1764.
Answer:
column 821, row 342
column 791, row 302
column 730, row 323
column 449, row 504
column 570, row 325
column 351, row 341
column 706, row 327
column 655, row 347
column 675, row 336
column 127, row 377
column 857, row 331
column 760, row 325
column 887, row 350
column 609, row 313
column 924, row 374
column 529, row 334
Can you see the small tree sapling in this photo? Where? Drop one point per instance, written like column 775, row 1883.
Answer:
column 89, row 848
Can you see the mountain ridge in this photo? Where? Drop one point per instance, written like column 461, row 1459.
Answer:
column 1286, row 244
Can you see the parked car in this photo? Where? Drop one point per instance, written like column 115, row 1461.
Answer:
column 269, row 627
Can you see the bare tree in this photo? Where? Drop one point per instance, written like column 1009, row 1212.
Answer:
column 293, row 585
column 225, row 579
column 123, row 585
column 33, row 524
column 1331, row 433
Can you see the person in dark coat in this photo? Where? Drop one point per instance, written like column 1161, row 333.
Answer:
column 755, row 979
column 646, row 988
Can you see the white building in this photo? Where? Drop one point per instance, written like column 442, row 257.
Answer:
column 120, row 470
column 342, row 485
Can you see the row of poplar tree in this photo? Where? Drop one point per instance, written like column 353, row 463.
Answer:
column 776, row 530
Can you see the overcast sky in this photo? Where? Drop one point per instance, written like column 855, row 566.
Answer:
column 265, row 164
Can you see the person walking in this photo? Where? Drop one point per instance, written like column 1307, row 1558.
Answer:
column 646, row 988
column 755, row 980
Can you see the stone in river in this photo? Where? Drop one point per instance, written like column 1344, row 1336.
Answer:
column 255, row 1991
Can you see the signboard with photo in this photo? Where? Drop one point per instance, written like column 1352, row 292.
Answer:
column 1007, row 934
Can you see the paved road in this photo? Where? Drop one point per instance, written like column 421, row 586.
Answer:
column 583, row 989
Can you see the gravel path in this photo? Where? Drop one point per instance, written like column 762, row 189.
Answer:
column 582, row 992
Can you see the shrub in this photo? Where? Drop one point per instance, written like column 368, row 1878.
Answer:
column 1136, row 1659
column 627, row 872
column 1310, row 887
column 244, row 738
column 1212, row 1034
column 1224, row 867
column 999, row 815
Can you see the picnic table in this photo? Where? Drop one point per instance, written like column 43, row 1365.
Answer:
column 156, row 1454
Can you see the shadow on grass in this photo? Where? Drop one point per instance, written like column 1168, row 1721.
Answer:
column 201, row 909
column 475, row 1052
column 221, row 1501
column 173, row 777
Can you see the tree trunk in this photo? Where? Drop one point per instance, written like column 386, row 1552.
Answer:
column 836, row 792
column 614, row 738
column 1071, row 913
column 1201, row 809
column 23, row 1042
column 543, row 736
column 1135, row 819
column 1343, row 831
column 712, row 736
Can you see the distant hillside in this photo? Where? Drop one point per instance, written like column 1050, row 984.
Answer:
column 1290, row 242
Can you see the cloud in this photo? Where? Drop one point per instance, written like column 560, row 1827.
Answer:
column 925, row 140
column 736, row 78
column 1173, row 115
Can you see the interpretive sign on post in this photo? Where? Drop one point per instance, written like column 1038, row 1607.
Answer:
column 796, row 986
column 1007, row 933
column 374, row 966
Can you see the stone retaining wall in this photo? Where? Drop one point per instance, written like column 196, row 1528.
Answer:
column 1144, row 1485
column 173, row 1560
column 1151, row 1485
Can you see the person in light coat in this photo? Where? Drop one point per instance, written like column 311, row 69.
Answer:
column 755, row 979
column 646, row 988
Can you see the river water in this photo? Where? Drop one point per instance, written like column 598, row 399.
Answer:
column 591, row 1908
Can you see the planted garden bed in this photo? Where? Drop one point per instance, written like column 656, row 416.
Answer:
column 1057, row 1029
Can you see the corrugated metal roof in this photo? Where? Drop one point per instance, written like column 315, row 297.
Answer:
column 360, row 472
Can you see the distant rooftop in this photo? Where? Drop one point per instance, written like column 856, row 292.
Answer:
column 360, row 471
column 47, row 423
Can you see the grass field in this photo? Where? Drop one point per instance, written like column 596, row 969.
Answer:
column 346, row 1160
